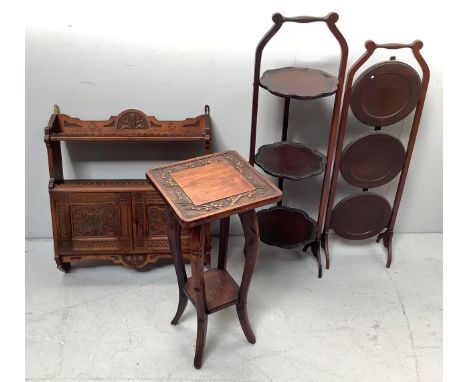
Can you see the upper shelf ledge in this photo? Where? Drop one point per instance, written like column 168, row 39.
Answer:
column 299, row 83
column 129, row 125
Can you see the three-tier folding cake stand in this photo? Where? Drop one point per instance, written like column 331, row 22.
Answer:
column 384, row 94
column 280, row 225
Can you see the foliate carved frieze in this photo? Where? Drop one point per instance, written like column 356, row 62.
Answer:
column 131, row 122
column 139, row 261
column 101, row 244
column 135, row 261
column 164, row 243
column 129, row 261
column 86, row 183
column 105, row 197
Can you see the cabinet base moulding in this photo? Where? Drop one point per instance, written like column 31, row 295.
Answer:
column 137, row 262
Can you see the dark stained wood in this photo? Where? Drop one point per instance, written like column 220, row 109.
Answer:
column 284, row 134
column 215, row 289
column 286, row 227
column 174, row 230
column 290, row 160
column 278, row 21
column 251, row 233
column 123, row 221
column 315, row 248
column 54, row 154
column 199, row 288
column 299, row 83
column 223, row 242
column 360, row 216
column 189, row 214
column 385, row 93
column 303, row 83
column 278, row 18
column 284, row 137
column 372, row 160
column 387, row 242
column 212, row 182
column 221, row 290
column 370, row 49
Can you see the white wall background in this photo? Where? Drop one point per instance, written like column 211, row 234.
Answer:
column 168, row 59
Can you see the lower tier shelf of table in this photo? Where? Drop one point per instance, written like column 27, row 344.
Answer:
column 286, row 227
column 220, row 288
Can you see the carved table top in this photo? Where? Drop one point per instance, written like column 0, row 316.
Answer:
column 211, row 187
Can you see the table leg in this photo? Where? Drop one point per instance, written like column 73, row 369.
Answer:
column 176, row 251
column 208, row 245
column 223, row 242
column 250, row 226
column 198, row 246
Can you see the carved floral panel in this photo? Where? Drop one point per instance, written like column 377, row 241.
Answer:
column 157, row 219
column 95, row 221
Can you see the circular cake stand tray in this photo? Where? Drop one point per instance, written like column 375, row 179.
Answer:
column 286, row 227
column 290, row 160
column 385, row 93
column 372, row 160
column 360, row 216
column 299, row 83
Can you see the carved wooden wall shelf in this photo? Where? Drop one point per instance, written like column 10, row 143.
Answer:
column 124, row 221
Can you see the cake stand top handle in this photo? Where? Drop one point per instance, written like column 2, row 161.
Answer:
column 278, row 18
column 415, row 45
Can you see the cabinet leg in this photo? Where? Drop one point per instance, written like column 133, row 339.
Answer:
column 62, row 265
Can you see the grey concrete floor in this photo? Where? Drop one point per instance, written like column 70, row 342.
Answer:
column 360, row 322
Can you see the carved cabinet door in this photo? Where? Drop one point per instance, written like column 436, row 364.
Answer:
column 150, row 215
column 94, row 222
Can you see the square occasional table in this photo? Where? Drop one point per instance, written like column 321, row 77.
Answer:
column 199, row 191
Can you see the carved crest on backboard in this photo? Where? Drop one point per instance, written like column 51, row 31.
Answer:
column 132, row 120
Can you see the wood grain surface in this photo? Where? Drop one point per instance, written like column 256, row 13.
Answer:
column 261, row 192
column 212, row 182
